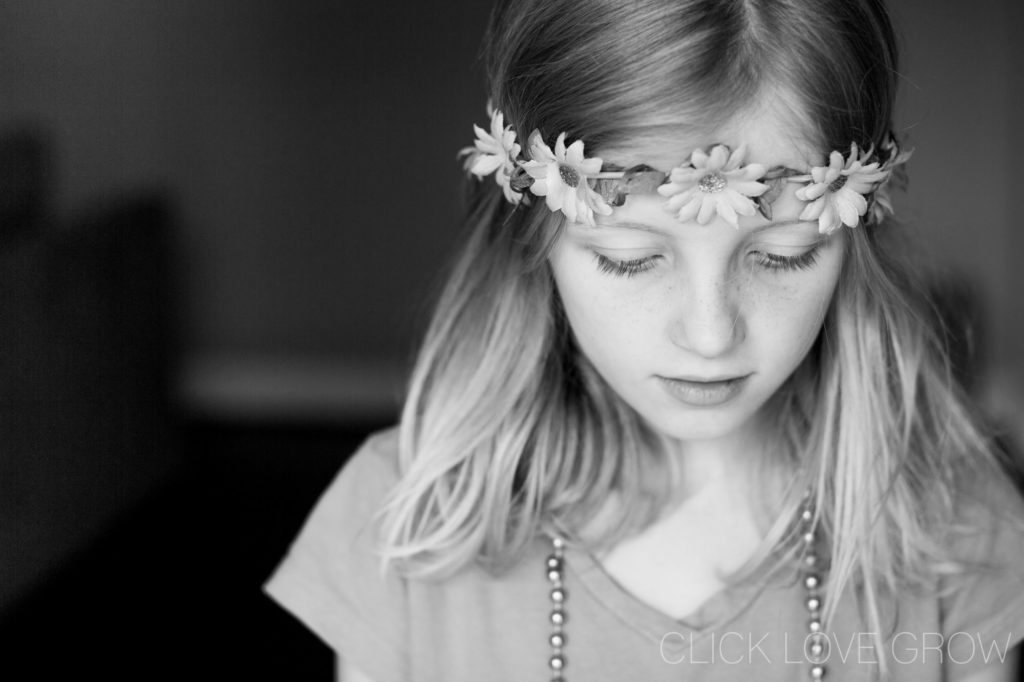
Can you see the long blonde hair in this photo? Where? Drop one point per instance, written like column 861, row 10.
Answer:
column 508, row 430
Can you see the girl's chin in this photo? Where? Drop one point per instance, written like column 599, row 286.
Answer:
column 700, row 427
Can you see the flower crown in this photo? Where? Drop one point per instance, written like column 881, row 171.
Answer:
column 710, row 183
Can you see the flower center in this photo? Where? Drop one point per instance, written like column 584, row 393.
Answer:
column 569, row 175
column 838, row 183
column 712, row 183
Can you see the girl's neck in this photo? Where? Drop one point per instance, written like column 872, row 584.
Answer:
column 721, row 466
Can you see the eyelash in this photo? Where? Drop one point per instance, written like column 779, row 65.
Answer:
column 771, row 261
column 625, row 268
column 768, row 261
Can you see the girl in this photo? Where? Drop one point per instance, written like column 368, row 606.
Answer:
column 677, row 415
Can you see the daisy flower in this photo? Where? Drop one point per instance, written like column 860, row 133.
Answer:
column 714, row 184
column 494, row 152
column 836, row 191
column 561, row 177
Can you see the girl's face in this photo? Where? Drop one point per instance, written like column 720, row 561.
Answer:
column 696, row 326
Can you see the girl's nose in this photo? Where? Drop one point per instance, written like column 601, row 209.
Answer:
column 707, row 320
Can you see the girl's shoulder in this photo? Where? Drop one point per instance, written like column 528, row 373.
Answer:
column 347, row 508
column 983, row 597
column 375, row 460
column 398, row 627
column 989, row 513
column 373, row 469
column 331, row 577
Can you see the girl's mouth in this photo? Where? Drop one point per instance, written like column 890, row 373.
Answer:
column 700, row 393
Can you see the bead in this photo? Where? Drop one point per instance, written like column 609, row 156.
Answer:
column 712, row 183
column 569, row 176
column 815, row 646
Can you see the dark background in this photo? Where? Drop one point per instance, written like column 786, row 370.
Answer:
column 220, row 223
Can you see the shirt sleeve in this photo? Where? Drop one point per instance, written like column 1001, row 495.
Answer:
column 983, row 613
column 331, row 577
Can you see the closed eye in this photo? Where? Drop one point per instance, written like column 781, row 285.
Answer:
column 625, row 268
column 773, row 261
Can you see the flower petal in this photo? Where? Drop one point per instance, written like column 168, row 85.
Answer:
column 537, row 170
column 486, row 147
column 719, row 157
column 814, row 209
column 828, row 221
column 486, row 164
column 811, row 192
column 570, row 206
column 669, row 189
column 601, row 206
column 752, row 171
column 555, row 198
column 574, row 153
column 725, row 209
column 850, row 206
column 689, row 210
column 682, row 198
column 591, row 166
column 736, row 158
column 749, row 188
column 707, row 210
column 511, row 195
column 508, row 141
column 560, row 147
column 737, row 203
column 819, row 174
column 538, row 150
column 483, row 134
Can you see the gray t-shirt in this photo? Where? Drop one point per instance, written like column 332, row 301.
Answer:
column 476, row 626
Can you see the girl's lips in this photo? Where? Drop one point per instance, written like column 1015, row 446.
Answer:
column 701, row 393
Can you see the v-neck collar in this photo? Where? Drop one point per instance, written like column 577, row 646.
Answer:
column 718, row 611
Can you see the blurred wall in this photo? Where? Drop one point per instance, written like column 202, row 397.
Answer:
column 961, row 106
column 311, row 147
column 311, row 150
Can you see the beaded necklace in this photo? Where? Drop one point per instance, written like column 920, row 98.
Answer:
column 815, row 643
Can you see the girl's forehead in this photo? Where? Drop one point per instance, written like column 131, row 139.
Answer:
column 646, row 213
column 772, row 136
